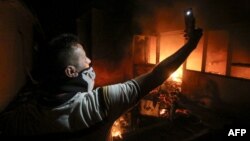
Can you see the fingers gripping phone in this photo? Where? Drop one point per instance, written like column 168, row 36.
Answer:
column 189, row 22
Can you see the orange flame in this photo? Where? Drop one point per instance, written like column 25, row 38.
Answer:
column 177, row 75
column 116, row 130
column 121, row 126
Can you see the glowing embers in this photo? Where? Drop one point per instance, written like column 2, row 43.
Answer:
column 121, row 126
column 160, row 105
column 177, row 75
column 161, row 102
column 116, row 129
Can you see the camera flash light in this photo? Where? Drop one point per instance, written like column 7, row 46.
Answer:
column 188, row 12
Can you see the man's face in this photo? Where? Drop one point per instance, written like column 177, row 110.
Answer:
column 80, row 58
column 82, row 62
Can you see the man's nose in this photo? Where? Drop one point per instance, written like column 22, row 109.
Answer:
column 88, row 61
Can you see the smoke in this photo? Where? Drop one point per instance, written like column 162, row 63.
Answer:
column 159, row 16
column 167, row 15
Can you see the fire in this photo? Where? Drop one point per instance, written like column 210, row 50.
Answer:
column 121, row 126
column 163, row 112
column 116, row 130
column 177, row 75
column 170, row 42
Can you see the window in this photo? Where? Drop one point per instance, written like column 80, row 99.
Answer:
column 223, row 52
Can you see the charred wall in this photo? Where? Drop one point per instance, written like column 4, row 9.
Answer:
column 225, row 95
column 108, row 34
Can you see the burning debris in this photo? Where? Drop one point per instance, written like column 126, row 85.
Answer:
column 121, row 126
column 161, row 103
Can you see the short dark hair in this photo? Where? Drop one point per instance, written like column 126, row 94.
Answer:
column 61, row 50
column 56, row 55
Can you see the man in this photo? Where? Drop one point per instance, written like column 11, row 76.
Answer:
column 67, row 105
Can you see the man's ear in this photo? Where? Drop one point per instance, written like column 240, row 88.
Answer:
column 71, row 71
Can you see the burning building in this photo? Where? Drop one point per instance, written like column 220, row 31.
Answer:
column 203, row 99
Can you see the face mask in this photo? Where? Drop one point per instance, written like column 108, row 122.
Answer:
column 88, row 75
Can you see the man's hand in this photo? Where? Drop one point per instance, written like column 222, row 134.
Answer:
column 195, row 36
column 189, row 23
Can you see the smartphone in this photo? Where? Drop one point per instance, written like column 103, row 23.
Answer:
column 189, row 21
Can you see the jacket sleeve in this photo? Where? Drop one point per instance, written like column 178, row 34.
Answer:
column 118, row 98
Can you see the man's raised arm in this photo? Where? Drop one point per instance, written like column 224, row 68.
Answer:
column 165, row 68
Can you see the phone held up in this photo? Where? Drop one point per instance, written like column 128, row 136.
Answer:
column 189, row 22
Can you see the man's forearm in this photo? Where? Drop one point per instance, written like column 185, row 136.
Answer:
column 165, row 68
